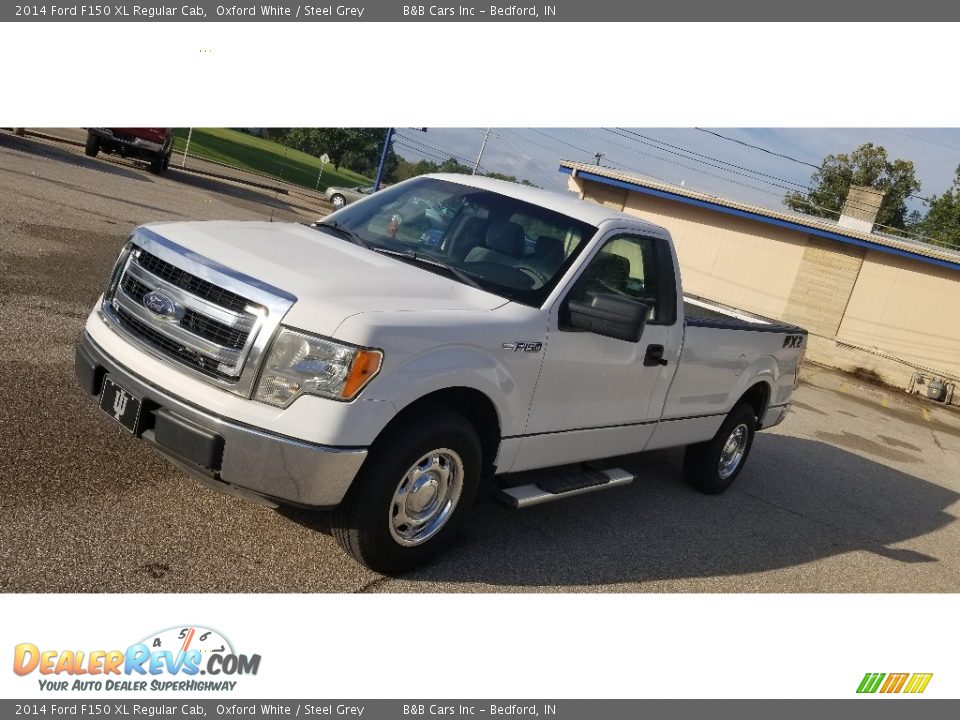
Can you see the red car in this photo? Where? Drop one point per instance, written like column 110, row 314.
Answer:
column 154, row 145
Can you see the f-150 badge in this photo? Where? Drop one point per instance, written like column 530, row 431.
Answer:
column 520, row 346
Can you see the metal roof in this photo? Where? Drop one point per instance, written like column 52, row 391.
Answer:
column 822, row 227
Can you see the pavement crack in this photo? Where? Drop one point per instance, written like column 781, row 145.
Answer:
column 936, row 441
column 373, row 584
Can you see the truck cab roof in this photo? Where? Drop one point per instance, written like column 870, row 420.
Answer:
column 565, row 203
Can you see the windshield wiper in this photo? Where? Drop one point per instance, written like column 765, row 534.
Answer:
column 435, row 262
column 344, row 232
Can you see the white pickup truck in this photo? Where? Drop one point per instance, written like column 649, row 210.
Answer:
column 445, row 331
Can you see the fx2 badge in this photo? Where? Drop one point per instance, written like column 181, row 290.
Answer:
column 793, row 341
column 520, row 346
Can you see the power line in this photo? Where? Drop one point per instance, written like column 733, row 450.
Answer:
column 703, row 172
column 696, row 156
column 760, row 176
column 922, row 139
column 618, row 165
column 437, row 149
column 483, row 146
column 818, row 167
column 426, row 153
column 434, row 146
column 757, row 147
column 524, row 158
column 650, row 142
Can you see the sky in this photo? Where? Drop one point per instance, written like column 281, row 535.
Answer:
column 689, row 156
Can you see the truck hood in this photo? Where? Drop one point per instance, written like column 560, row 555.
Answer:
column 331, row 277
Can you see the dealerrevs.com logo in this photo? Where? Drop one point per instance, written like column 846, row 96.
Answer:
column 178, row 659
column 893, row 683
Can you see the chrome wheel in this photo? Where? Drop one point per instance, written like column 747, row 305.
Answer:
column 426, row 497
column 733, row 451
column 338, row 201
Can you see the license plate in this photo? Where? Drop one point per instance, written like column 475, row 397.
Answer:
column 120, row 405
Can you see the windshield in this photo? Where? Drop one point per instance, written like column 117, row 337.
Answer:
column 505, row 246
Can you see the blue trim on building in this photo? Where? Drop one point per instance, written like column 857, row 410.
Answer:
column 593, row 177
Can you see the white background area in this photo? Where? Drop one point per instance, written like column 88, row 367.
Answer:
column 497, row 74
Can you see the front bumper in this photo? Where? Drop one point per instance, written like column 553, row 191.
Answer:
column 133, row 144
column 774, row 416
column 235, row 458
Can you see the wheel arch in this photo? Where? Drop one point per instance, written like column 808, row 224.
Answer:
column 757, row 396
column 469, row 402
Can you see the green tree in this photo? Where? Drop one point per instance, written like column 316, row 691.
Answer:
column 867, row 165
column 338, row 143
column 406, row 169
column 942, row 221
column 452, row 165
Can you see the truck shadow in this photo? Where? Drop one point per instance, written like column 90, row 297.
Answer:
column 64, row 155
column 796, row 501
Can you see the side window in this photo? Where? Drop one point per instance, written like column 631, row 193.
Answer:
column 626, row 265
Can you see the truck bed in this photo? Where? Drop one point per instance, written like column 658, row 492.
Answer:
column 725, row 352
column 700, row 312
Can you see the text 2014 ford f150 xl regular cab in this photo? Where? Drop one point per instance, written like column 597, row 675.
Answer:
column 447, row 329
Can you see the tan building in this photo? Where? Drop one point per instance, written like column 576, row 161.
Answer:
column 870, row 302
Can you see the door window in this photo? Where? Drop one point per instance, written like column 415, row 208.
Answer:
column 627, row 266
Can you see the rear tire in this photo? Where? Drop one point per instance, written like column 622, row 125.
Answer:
column 338, row 201
column 712, row 466
column 157, row 165
column 92, row 148
column 412, row 494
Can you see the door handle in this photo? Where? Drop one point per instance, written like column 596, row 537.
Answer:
column 654, row 356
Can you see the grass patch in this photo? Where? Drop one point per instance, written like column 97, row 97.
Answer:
column 263, row 156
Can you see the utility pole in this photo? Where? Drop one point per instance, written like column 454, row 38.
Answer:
column 599, row 155
column 476, row 165
column 383, row 159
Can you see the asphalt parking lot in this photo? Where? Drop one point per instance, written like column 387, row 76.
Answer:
column 857, row 491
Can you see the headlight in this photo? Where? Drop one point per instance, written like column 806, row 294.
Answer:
column 303, row 364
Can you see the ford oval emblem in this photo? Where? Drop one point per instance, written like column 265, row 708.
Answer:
column 161, row 305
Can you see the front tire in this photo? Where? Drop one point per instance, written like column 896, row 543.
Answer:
column 92, row 148
column 712, row 466
column 412, row 494
column 338, row 201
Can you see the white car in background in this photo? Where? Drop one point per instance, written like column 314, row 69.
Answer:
column 340, row 196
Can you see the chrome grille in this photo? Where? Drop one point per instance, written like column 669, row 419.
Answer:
column 174, row 349
column 190, row 311
column 191, row 283
column 212, row 330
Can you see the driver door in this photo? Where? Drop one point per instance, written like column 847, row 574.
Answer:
column 600, row 396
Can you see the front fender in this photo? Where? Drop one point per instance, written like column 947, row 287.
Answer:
column 508, row 387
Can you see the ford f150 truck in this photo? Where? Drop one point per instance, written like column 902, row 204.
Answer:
column 447, row 330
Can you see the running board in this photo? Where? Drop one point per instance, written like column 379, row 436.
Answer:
column 563, row 484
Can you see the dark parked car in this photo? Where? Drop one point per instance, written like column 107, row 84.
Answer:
column 155, row 145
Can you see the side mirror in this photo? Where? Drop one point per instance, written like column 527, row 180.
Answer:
column 609, row 315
